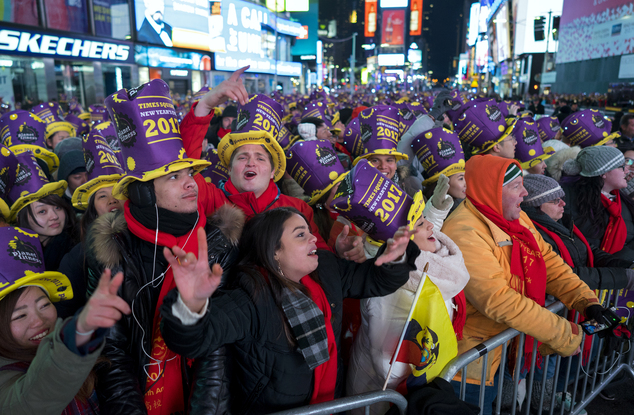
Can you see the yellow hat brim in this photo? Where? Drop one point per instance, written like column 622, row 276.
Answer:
column 416, row 210
column 548, row 151
column 5, row 211
column 81, row 197
column 382, row 152
column 56, row 285
column 448, row 171
column 606, row 139
column 317, row 194
column 56, row 127
column 232, row 141
column 53, row 188
column 47, row 156
column 120, row 190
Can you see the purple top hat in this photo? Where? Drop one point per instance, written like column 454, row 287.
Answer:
column 201, row 93
column 24, row 131
column 407, row 116
column 151, row 144
column 352, row 140
column 98, row 113
column 286, row 139
column 529, row 151
column 216, row 172
column 314, row 165
column 49, row 112
column 380, row 132
column 457, row 101
column 8, row 172
column 31, row 185
column 75, row 107
column 102, row 166
column 504, row 106
column 23, row 266
column 108, row 131
column 81, row 126
column 258, row 122
column 481, row 125
column 586, row 128
column 439, row 152
column 548, row 128
column 319, row 110
column 376, row 204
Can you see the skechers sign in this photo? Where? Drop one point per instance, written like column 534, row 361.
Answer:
column 63, row 47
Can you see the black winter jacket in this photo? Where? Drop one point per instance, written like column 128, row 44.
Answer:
column 73, row 265
column 121, row 385
column 585, row 226
column 269, row 375
column 608, row 271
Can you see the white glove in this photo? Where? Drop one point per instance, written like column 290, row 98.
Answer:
column 440, row 200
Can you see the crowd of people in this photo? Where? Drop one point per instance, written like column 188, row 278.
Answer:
column 250, row 254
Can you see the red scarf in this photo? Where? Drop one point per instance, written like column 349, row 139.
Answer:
column 460, row 314
column 565, row 254
column 222, row 132
column 247, row 201
column 165, row 395
column 616, row 232
column 326, row 373
column 528, row 269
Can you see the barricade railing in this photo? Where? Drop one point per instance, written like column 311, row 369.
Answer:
column 351, row 402
column 565, row 394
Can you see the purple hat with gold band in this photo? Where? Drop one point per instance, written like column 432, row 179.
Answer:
column 380, row 132
column 200, row 93
column 586, row 128
column 23, row 266
column 52, row 115
column 217, row 172
column 548, row 128
column 9, row 165
column 81, row 126
column 319, row 110
column 24, row 131
column 258, row 122
column 286, row 139
column 482, row 125
column 439, row 152
column 529, row 151
column 352, row 139
column 151, row 144
column 31, row 185
column 108, row 131
column 407, row 117
column 102, row 166
column 376, row 204
column 98, row 113
column 314, row 165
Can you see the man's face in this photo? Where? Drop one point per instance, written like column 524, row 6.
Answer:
column 512, row 195
column 76, row 180
column 628, row 129
column 177, row 191
column 156, row 9
column 323, row 133
column 384, row 163
column 506, row 148
column 226, row 122
column 251, row 169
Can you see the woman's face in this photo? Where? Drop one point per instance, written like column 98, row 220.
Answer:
column 297, row 256
column 50, row 219
column 539, row 168
column 105, row 202
column 33, row 317
column 614, row 179
column 554, row 209
column 424, row 239
column 457, row 186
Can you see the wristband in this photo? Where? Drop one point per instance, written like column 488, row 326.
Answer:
column 88, row 333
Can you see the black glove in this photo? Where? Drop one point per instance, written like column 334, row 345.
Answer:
column 442, row 104
column 595, row 311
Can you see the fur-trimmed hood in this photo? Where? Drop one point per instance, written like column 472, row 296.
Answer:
column 102, row 242
column 555, row 163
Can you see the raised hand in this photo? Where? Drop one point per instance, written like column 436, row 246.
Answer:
column 103, row 309
column 396, row 245
column 350, row 247
column 195, row 281
column 232, row 88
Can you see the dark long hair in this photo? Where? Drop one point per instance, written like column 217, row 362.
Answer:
column 88, row 218
column 428, row 191
column 70, row 225
column 321, row 216
column 11, row 349
column 261, row 238
column 588, row 203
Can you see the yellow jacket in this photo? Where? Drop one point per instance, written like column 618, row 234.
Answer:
column 493, row 306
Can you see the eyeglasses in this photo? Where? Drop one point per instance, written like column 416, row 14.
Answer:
column 623, row 167
column 629, row 161
column 556, row 201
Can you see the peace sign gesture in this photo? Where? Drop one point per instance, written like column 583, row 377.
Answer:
column 195, row 281
column 232, row 88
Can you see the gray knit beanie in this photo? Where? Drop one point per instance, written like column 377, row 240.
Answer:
column 541, row 189
column 594, row 161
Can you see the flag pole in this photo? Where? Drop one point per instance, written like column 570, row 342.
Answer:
column 409, row 317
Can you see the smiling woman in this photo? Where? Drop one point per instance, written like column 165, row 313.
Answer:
column 283, row 284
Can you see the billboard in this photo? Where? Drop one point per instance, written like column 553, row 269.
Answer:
column 391, row 59
column 591, row 29
column 370, row 18
column 474, row 15
column 393, row 30
column 502, row 32
column 415, row 17
column 524, row 34
column 391, row 4
column 170, row 58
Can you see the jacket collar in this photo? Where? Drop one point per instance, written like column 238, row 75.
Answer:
column 562, row 226
column 499, row 236
column 247, row 201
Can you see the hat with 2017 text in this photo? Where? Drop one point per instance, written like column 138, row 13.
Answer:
column 380, row 132
column 149, row 134
column 258, row 122
column 24, row 131
column 439, row 152
column 376, row 204
column 23, row 266
column 52, row 115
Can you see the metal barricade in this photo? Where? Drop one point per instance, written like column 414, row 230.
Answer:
column 351, row 402
column 580, row 385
